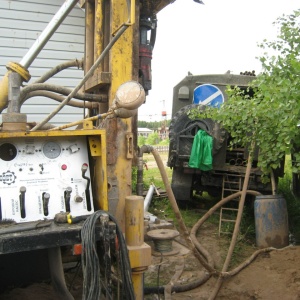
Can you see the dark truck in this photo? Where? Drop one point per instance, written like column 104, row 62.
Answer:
column 228, row 165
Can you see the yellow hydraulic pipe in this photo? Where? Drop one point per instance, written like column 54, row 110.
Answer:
column 139, row 252
column 134, row 220
column 132, row 12
column 4, row 91
column 11, row 67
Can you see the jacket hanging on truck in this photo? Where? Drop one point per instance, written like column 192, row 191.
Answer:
column 201, row 154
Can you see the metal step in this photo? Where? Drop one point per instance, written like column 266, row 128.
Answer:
column 232, row 186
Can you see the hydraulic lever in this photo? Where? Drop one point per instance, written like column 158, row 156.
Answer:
column 67, row 196
column 87, row 189
column 46, row 197
column 22, row 201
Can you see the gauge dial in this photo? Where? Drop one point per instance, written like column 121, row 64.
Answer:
column 8, row 152
column 51, row 150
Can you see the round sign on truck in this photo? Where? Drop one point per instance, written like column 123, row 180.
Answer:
column 208, row 94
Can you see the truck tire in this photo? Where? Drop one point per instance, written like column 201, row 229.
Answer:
column 181, row 124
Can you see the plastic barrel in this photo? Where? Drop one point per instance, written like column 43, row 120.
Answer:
column 271, row 221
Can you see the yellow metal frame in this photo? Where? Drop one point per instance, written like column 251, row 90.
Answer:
column 97, row 145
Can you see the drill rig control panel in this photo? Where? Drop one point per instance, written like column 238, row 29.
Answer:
column 41, row 176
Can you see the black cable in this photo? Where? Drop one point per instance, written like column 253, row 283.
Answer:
column 90, row 262
column 127, row 285
column 92, row 283
column 158, row 273
column 77, row 267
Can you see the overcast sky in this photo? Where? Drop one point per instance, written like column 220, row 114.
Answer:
column 213, row 38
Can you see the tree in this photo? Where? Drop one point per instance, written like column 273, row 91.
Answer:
column 153, row 139
column 141, row 140
column 269, row 117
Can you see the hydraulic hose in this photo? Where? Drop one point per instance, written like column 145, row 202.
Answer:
column 57, row 89
column 193, row 243
column 86, row 77
column 56, row 97
column 57, row 274
column 196, row 227
column 236, row 227
column 203, row 256
column 68, row 64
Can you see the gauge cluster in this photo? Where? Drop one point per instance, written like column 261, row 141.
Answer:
column 42, row 176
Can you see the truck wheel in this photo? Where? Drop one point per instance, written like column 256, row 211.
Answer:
column 181, row 185
column 182, row 124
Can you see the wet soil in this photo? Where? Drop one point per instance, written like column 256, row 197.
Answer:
column 271, row 276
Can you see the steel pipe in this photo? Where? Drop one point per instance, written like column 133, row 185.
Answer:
column 47, row 33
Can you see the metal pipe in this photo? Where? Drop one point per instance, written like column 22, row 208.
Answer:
column 232, row 162
column 14, row 84
column 139, row 177
column 148, row 197
column 89, row 35
column 82, row 82
column 47, row 33
column 239, row 162
column 139, row 181
column 134, row 235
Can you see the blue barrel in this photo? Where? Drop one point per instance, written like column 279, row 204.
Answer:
column 271, row 221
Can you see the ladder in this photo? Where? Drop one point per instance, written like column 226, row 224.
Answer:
column 231, row 183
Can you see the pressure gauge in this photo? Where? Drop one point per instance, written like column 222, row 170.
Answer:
column 8, row 151
column 51, row 150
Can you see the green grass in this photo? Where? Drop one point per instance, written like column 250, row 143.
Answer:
column 293, row 202
column 162, row 209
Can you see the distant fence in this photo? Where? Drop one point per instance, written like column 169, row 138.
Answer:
column 161, row 148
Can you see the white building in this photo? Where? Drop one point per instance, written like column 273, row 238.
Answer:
column 144, row 132
column 21, row 23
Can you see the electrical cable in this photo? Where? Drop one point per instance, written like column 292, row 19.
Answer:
column 92, row 282
column 78, row 265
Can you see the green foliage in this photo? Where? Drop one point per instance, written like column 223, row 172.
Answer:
column 164, row 142
column 269, row 117
column 141, row 140
column 134, row 179
column 153, row 139
column 153, row 125
column 293, row 203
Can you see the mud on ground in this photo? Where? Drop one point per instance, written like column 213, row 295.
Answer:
column 271, row 276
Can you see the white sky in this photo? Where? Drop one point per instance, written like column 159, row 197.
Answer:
column 212, row 38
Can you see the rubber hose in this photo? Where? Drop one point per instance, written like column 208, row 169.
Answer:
column 57, row 274
column 182, row 228
column 68, row 64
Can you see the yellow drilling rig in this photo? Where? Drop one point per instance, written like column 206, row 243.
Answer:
column 69, row 187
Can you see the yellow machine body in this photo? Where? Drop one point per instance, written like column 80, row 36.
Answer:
column 109, row 146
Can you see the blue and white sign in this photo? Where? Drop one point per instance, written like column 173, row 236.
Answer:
column 208, row 94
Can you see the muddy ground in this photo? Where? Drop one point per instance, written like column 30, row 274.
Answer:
column 274, row 275
column 271, row 276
